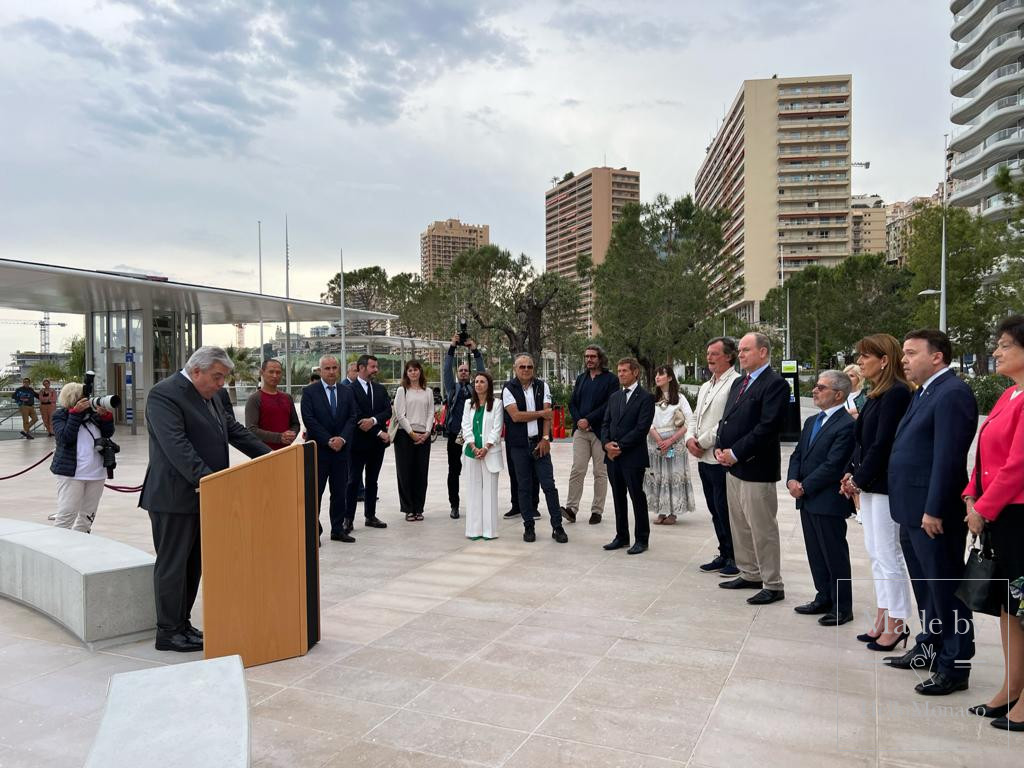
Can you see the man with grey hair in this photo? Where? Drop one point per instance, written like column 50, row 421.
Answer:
column 189, row 434
column 749, row 445
column 815, row 470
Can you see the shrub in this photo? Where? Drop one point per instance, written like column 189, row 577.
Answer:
column 987, row 390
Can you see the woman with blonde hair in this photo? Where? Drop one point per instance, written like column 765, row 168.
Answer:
column 879, row 358
column 76, row 461
column 857, row 397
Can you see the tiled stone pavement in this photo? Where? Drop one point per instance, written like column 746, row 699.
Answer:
column 440, row 652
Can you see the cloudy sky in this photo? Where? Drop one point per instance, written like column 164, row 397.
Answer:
column 153, row 134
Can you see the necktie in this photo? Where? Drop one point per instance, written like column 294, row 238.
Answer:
column 743, row 386
column 627, row 391
column 816, row 428
column 213, row 413
column 334, row 400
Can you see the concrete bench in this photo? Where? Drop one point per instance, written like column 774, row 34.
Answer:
column 100, row 590
column 193, row 714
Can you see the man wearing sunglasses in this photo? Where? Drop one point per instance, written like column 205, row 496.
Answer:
column 527, row 403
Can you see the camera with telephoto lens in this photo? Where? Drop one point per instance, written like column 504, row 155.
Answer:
column 463, row 333
column 108, row 402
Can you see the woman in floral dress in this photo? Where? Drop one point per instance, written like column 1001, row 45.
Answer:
column 668, row 486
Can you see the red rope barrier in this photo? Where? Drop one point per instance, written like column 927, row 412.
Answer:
column 26, row 469
column 124, row 488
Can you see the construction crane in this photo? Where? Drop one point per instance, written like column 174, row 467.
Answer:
column 44, row 329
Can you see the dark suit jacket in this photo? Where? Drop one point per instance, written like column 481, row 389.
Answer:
column 751, row 427
column 628, row 424
column 928, row 463
column 321, row 425
column 820, row 465
column 381, row 411
column 186, row 443
column 873, row 435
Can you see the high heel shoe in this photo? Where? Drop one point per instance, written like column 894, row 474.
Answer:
column 867, row 638
column 876, row 646
column 984, row 710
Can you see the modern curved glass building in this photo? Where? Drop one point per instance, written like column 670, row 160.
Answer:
column 988, row 104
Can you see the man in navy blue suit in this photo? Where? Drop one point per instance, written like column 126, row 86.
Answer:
column 328, row 411
column 927, row 472
column 815, row 470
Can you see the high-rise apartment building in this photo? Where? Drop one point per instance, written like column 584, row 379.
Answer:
column 988, row 86
column 899, row 226
column 867, row 224
column 780, row 165
column 444, row 240
column 579, row 214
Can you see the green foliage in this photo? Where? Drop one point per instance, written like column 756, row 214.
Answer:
column 48, row 370
column 652, row 298
column 561, row 393
column 981, row 257
column 76, row 359
column 988, row 389
column 365, row 288
column 831, row 308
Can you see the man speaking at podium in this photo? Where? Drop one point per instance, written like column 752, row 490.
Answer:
column 189, row 435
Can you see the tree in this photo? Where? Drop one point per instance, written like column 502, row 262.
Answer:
column 246, row 368
column 48, row 369
column 365, row 288
column 651, row 296
column 505, row 294
column 76, row 357
column 980, row 256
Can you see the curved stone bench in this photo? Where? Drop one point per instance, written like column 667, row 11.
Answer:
column 100, row 590
column 193, row 714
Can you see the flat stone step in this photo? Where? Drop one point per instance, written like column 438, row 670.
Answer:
column 192, row 714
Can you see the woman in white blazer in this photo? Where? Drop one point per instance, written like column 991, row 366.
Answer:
column 482, row 420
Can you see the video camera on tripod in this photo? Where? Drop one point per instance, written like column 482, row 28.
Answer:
column 106, row 447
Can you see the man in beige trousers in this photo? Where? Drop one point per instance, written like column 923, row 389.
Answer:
column 587, row 408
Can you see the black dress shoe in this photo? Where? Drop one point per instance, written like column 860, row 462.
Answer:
column 940, row 685
column 454, row 514
column 558, row 534
column 766, row 596
column 740, row 583
column 1006, row 724
column 984, row 710
column 511, row 513
column 616, row 544
column 346, row 526
column 813, row 608
column 637, row 549
column 595, row 518
column 914, row 658
column 714, row 566
column 177, row 641
column 569, row 514
column 197, row 634
column 373, row 522
column 831, row 619
column 529, row 535
column 342, row 536
column 729, row 569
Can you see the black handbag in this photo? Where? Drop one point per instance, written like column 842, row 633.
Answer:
column 980, row 589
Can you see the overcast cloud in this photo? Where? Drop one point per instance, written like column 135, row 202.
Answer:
column 153, row 134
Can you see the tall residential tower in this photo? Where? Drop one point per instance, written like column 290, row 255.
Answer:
column 780, row 165
column 444, row 240
column 579, row 214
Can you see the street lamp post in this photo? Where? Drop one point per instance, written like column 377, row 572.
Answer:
column 942, row 257
column 341, row 303
column 782, row 283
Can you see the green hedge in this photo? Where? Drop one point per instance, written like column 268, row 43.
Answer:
column 987, row 390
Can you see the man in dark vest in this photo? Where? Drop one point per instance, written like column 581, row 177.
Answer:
column 457, row 390
column 527, row 403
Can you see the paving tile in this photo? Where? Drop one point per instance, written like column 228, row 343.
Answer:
column 322, row 712
column 363, row 684
column 476, row 705
column 456, row 739
column 365, row 754
column 547, row 752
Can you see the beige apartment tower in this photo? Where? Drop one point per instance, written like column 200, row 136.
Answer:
column 579, row 214
column 444, row 240
column 780, row 165
column 867, row 224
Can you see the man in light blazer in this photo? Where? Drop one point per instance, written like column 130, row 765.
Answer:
column 189, row 433
column 749, row 444
column 624, row 437
column 328, row 411
column 927, row 472
column 815, row 471
column 703, row 431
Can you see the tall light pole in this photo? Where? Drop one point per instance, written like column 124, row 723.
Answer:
column 341, row 304
column 942, row 256
column 259, row 247
column 782, row 283
column 287, row 318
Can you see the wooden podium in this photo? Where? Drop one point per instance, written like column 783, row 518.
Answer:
column 260, row 540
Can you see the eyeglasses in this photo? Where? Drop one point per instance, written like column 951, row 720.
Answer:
column 525, row 367
column 820, row 386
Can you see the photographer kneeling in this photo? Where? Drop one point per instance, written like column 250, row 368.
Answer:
column 77, row 460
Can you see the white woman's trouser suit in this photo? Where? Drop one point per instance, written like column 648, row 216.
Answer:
column 481, row 477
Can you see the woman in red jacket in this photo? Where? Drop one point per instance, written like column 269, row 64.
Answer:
column 995, row 501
